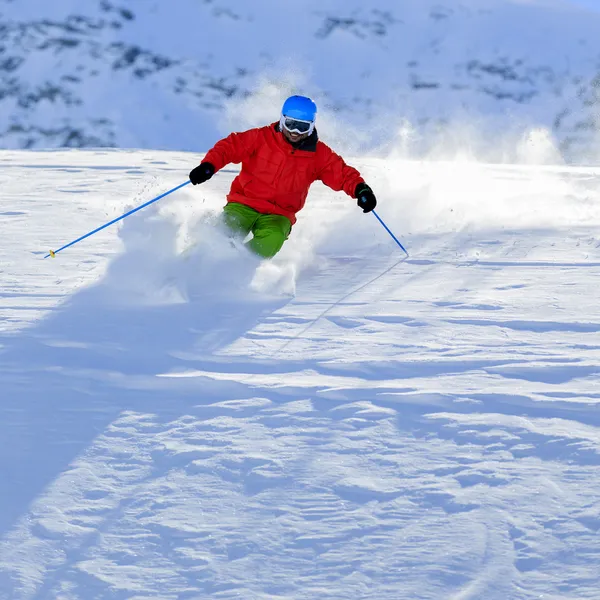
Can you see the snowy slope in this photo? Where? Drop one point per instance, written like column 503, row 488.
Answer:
column 339, row 423
column 171, row 75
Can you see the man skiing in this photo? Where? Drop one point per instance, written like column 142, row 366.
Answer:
column 279, row 163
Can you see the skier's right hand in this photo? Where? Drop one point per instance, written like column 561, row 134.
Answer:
column 203, row 172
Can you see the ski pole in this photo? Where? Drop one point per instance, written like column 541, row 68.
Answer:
column 53, row 253
column 393, row 236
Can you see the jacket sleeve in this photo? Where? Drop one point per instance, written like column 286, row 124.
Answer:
column 233, row 149
column 336, row 174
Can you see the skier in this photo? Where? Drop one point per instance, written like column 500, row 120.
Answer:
column 279, row 163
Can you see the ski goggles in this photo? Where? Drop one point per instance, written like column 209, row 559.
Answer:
column 297, row 125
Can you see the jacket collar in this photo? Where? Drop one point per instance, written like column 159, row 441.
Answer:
column 308, row 145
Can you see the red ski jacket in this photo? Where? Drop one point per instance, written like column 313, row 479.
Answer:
column 275, row 174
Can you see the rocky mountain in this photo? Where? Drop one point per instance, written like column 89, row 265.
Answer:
column 414, row 74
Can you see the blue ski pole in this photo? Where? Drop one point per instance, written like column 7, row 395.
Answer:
column 53, row 253
column 393, row 236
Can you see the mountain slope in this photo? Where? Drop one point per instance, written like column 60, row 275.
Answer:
column 147, row 74
column 180, row 422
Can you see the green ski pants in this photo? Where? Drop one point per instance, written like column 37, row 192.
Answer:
column 269, row 231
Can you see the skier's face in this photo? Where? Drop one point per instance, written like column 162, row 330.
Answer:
column 293, row 136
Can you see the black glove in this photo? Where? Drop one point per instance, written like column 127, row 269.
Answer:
column 365, row 197
column 203, row 172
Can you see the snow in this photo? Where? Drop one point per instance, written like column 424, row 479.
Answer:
column 178, row 421
column 171, row 75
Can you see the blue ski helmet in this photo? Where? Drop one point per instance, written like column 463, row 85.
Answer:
column 299, row 107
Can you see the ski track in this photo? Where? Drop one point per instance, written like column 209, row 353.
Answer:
column 399, row 428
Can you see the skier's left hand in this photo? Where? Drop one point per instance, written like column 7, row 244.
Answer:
column 365, row 198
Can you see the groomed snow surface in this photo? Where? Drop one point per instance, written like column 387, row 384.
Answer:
column 180, row 422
